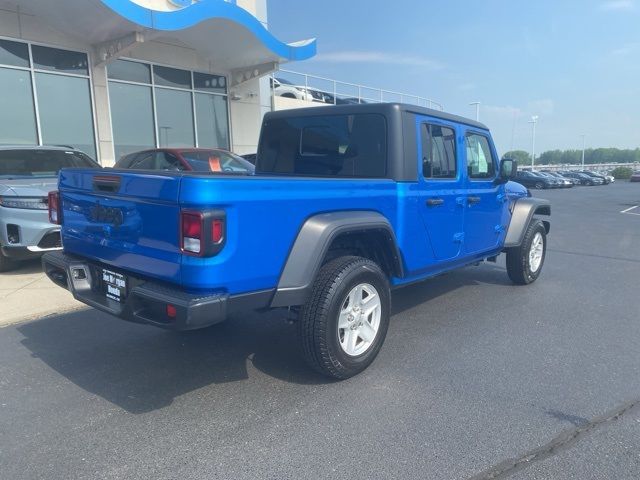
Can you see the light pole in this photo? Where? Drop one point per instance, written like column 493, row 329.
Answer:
column 533, row 121
column 477, row 105
column 584, row 140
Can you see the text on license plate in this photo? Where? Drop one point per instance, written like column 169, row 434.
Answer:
column 116, row 285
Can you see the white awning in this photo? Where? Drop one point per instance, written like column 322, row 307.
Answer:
column 217, row 30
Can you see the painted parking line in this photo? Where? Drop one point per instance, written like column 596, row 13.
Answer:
column 629, row 212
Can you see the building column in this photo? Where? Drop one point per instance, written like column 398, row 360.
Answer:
column 253, row 97
column 103, row 116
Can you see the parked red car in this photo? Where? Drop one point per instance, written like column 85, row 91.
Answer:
column 187, row 160
column 635, row 177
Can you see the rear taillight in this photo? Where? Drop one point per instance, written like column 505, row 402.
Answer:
column 54, row 208
column 192, row 227
column 202, row 233
column 217, row 231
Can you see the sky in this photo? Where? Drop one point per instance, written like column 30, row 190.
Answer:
column 573, row 63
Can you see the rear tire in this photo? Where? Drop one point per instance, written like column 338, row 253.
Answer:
column 344, row 323
column 524, row 263
column 539, row 186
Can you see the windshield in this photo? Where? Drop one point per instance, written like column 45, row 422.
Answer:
column 40, row 162
column 283, row 81
column 217, row 161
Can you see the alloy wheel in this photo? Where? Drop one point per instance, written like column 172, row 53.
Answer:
column 359, row 319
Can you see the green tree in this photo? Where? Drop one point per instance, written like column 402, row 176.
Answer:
column 622, row 173
column 522, row 157
column 591, row 156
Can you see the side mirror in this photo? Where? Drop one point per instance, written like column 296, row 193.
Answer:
column 508, row 169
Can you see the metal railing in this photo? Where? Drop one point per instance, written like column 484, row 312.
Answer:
column 331, row 91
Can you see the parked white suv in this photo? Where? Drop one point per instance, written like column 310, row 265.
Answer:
column 27, row 175
column 284, row 88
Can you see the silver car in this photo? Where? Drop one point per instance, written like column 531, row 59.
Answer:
column 27, row 175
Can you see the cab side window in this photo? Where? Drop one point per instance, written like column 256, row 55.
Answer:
column 480, row 161
column 438, row 152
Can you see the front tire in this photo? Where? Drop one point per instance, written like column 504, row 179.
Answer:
column 539, row 186
column 524, row 263
column 344, row 324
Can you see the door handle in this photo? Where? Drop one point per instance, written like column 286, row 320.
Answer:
column 473, row 200
column 435, row 202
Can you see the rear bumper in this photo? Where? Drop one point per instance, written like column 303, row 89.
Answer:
column 146, row 301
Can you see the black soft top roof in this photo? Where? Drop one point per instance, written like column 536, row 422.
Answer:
column 386, row 109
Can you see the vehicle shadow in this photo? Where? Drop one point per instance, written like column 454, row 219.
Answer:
column 24, row 267
column 416, row 294
column 142, row 368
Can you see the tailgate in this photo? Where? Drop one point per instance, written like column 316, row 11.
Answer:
column 128, row 220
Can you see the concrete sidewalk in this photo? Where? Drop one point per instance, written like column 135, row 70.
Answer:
column 26, row 293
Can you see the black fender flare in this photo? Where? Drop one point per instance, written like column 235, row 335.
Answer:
column 523, row 212
column 311, row 245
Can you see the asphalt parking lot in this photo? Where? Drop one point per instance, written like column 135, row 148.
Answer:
column 477, row 379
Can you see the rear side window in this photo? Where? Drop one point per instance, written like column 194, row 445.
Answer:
column 325, row 146
column 438, row 151
column 480, row 162
column 143, row 161
column 125, row 162
column 151, row 161
column 41, row 163
column 167, row 161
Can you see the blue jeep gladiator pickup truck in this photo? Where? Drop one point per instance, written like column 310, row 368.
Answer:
column 347, row 203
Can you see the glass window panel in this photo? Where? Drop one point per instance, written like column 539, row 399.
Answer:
column 17, row 114
column 480, row 162
column 144, row 161
column 210, row 83
column 438, row 152
column 216, row 161
column 175, row 118
column 325, row 145
column 64, row 104
column 131, row 118
column 171, row 77
column 60, row 60
column 167, row 161
column 14, row 53
column 129, row 71
column 41, row 163
column 212, row 120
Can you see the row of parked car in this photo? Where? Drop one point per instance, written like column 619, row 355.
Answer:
column 286, row 89
column 28, row 174
column 544, row 179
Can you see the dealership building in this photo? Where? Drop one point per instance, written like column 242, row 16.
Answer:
column 115, row 76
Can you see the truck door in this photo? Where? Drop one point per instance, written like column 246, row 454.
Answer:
column 441, row 183
column 483, row 229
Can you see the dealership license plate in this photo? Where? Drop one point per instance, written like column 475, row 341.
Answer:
column 115, row 285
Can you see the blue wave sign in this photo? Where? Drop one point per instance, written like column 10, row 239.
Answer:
column 188, row 3
column 181, row 3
